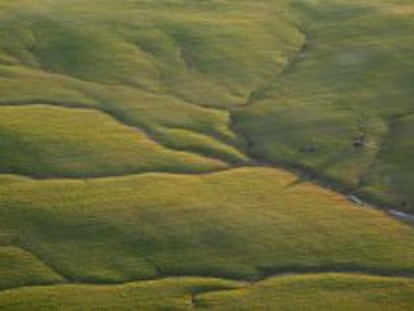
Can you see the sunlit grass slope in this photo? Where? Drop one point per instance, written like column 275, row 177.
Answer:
column 316, row 292
column 242, row 223
column 200, row 49
column 166, row 294
column 319, row 75
column 296, row 292
column 47, row 141
column 152, row 64
column 351, row 80
column 90, row 89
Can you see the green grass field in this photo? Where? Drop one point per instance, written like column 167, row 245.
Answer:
column 186, row 154
column 83, row 143
column 307, row 292
column 351, row 80
column 241, row 224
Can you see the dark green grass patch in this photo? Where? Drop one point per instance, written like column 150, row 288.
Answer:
column 332, row 109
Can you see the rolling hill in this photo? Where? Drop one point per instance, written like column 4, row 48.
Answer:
column 206, row 154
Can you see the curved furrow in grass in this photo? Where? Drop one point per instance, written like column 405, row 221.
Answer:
column 68, row 279
column 47, row 102
column 285, row 146
column 184, row 139
column 140, row 227
column 73, row 105
column 64, row 281
column 26, row 247
column 261, row 92
column 392, row 123
column 19, row 267
column 336, row 291
column 85, row 54
column 16, row 177
column 224, row 135
column 248, row 282
column 379, row 176
column 303, row 175
column 232, row 138
column 224, row 151
column 129, row 104
column 68, row 144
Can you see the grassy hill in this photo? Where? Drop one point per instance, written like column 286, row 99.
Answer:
column 307, row 292
column 346, row 96
column 83, row 143
column 328, row 76
column 181, row 154
column 243, row 224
